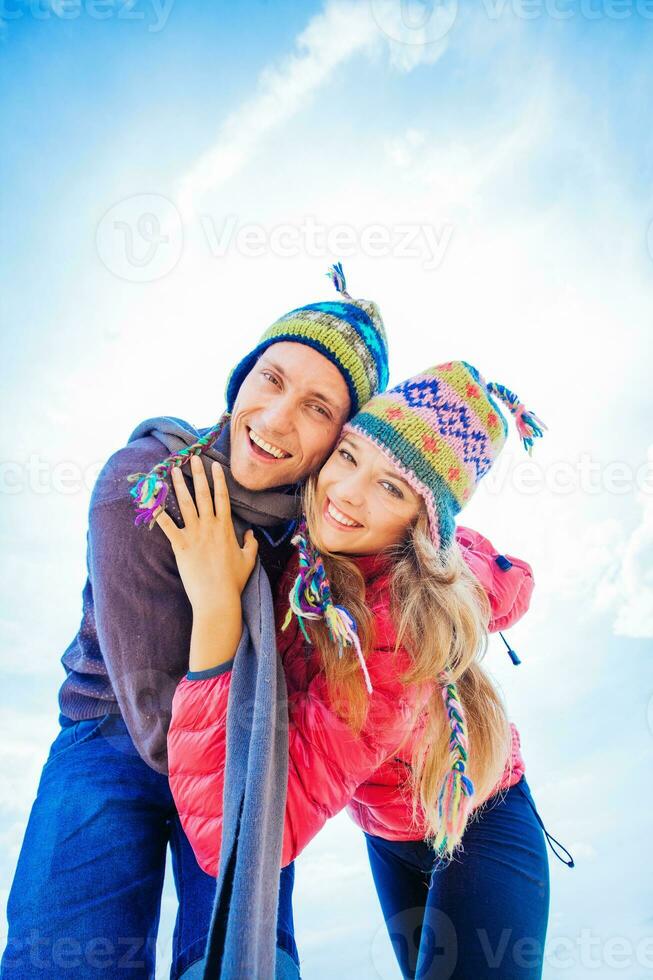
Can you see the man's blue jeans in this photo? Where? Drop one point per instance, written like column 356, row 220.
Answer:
column 86, row 896
column 485, row 914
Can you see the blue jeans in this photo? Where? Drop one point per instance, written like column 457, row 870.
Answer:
column 485, row 913
column 86, row 896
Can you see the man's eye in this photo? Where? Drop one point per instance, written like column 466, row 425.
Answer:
column 270, row 377
column 395, row 491
column 322, row 411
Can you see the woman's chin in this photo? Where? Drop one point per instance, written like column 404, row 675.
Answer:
column 337, row 541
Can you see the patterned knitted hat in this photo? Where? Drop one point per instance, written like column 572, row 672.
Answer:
column 349, row 334
column 442, row 429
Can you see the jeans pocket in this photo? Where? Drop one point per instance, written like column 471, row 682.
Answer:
column 71, row 735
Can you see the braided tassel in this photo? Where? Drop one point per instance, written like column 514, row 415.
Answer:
column 337, row 277
column 151, row 489
column 455, row 799
column 310, row 598
column 528, row 424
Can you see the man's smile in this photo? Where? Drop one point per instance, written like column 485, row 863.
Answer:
column 263, row 449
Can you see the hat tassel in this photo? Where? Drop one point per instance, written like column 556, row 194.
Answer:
column 529, row 426
column 337, row 277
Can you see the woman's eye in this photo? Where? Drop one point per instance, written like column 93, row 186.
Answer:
column 343, row 452
column 395, row 491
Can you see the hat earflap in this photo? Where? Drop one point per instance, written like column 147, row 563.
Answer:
column 310, row 598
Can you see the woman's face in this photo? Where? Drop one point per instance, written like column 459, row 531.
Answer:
column 363, row 504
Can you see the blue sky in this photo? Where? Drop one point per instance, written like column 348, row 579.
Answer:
column 515, row 152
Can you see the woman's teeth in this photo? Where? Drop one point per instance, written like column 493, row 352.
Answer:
column 272, row 450
column 338, row 516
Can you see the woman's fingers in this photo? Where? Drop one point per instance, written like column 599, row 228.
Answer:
column 184, row 499
column 250, row 547
column 168, row 527
column 201, row 486
column 220, row 492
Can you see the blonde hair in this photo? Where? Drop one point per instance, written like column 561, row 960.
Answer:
column 440, row 612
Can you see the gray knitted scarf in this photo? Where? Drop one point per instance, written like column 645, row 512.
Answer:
column 242, row 934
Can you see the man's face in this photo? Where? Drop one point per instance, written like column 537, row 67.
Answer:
column 287, row 416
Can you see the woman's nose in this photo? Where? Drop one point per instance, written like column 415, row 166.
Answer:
column 352, row 490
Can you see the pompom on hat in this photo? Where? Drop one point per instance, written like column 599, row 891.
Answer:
column 350, row 334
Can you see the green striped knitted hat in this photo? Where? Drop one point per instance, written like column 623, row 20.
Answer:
column 349, row 334
column 443, row 429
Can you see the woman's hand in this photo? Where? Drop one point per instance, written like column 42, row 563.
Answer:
column 213, row 567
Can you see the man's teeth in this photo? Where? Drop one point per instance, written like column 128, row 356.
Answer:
column 273, row 450
column 340, row 517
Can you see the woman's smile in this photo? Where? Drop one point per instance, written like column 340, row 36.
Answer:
column 337, row 518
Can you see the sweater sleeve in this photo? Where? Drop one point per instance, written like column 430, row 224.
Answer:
column 142, row 614
column 508, row 581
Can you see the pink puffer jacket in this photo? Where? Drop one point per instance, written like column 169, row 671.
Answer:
column 330, row 769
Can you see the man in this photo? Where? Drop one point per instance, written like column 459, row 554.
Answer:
column 86, row 895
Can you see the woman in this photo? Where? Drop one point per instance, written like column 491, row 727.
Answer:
column 391, row 713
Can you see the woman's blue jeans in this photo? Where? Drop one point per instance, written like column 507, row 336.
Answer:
column 485, row 914
column 86, row 896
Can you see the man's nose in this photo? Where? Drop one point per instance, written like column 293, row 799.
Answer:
column 278, row 415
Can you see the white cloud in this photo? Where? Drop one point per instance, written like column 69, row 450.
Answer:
column 401, row 150
column 630, row 590
column 332, row 37
column 608, row 568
